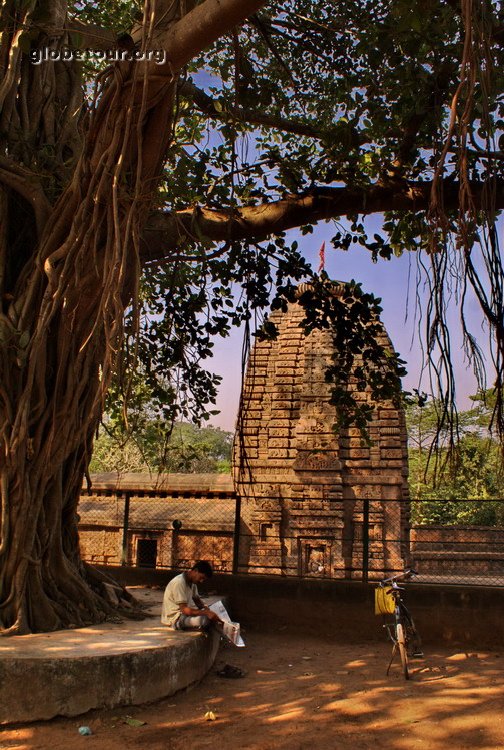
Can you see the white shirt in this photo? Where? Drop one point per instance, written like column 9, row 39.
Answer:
column 179, row 591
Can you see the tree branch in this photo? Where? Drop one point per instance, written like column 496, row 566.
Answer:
column 90, row 36
column 205, row 104
column 167, row 232
column 198, row 29
column 152, row 86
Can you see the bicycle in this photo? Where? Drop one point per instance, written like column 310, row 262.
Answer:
column 401, row 629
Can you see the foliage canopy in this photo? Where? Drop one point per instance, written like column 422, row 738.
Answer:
column 186, row 449
column 317, row 111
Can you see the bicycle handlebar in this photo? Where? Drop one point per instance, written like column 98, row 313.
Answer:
column 409, row 573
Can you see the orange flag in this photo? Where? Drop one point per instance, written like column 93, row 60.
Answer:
column 322, row 258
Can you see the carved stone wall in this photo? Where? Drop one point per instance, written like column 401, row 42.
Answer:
column 302, row 487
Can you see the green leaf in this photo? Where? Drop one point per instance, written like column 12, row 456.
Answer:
column 134, row 722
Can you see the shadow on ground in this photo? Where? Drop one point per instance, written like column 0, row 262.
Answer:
column 304, row 692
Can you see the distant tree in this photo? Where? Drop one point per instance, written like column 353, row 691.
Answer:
column 454, row 494
column 183, row 448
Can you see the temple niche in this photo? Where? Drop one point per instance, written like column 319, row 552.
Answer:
column 305, row 491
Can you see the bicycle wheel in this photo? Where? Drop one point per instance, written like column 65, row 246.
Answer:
column 401, row 645
column 411, row 636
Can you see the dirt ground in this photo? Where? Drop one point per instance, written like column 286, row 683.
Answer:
column 303, row 692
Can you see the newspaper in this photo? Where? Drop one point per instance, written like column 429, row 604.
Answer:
column 229, row 628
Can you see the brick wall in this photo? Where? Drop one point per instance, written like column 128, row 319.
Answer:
column 458, row 550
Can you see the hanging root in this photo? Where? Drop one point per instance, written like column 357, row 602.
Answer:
column 473, row 255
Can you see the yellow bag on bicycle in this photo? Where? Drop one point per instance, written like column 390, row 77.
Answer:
column 384, row 601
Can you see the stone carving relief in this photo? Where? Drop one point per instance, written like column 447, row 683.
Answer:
column 316, row 559
column 316, row 461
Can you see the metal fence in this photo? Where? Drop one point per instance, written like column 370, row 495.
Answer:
column 369, row 538
column 460, row 541
column 159, row 527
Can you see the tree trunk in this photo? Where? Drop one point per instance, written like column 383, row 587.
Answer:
column 60, row 336
column 65, row 282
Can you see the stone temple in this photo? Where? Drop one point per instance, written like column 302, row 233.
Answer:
column 305, row 492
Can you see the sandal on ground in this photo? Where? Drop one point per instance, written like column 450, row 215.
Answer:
column 228, row 670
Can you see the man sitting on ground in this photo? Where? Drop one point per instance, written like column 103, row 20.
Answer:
column 182, row 606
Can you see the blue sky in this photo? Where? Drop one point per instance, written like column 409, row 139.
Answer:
column 394, row 281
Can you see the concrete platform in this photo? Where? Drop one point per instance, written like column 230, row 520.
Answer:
column 69, row 672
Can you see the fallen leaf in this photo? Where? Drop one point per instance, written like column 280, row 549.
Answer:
column 133, row 722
